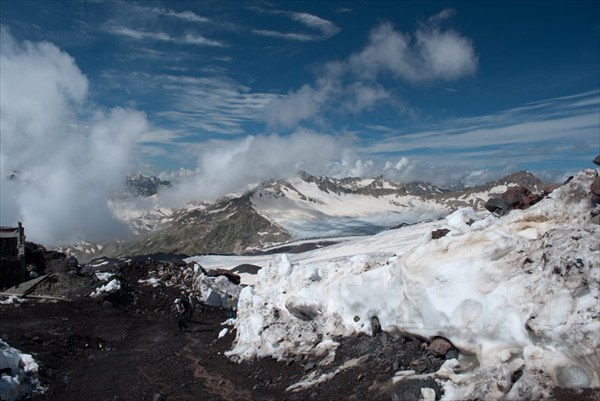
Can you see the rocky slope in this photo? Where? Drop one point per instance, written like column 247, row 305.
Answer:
column 228, row 226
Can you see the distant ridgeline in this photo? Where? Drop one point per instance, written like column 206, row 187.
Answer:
column 141, row 185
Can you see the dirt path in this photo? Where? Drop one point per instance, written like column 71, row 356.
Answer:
column 87, row 352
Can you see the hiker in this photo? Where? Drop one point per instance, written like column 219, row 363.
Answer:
column 229, row 307
column 181, row 314
column 188, row 302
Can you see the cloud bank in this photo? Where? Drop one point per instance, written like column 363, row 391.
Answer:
column 60, row 158
column 228, row 166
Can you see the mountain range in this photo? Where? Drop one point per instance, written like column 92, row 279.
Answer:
column 281, row 211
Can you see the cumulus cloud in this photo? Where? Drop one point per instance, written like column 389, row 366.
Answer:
column 227, row 166
column 431, row 53
column 58, row 167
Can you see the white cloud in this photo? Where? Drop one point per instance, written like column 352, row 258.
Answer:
column 430, row 54
column 192, row 39
column 299, row 105
column 545, row 132
column 201, row 40
column 138, row 34
column 226, row 166
column 446, row 55
column 570, row 121
column 300, row 37
column 327, row 28
column 215, row 105
column 320, row 29
column 67, row 166
column 184, row 15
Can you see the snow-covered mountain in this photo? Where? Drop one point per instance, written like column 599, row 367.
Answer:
column 141, row 185
column 303, row 207
column 280, row 211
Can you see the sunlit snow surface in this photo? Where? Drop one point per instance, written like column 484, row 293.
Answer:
column 519, row 292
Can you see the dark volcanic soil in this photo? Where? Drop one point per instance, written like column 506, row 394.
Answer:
column 88, row 351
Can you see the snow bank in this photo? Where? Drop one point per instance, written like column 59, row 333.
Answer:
column 109, row 288
column 519, row 293
column 19, row 374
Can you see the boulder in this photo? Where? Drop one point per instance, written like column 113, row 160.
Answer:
column 597, row 160
column 234, row 278
column 439, row 347
column 519, row 197
column 595, row 188
column 439, row 233
column 498, row 206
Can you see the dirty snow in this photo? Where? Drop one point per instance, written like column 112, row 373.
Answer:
column 20, row 374
column 519, row 293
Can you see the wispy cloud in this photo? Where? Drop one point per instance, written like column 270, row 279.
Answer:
column 320, row 29
column 214, row 105
column 547, row 131
column 138, row 34
column 200, row 40
column 189, row 16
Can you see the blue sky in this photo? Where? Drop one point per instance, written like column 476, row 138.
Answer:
column 231, row 92
column 224, row 70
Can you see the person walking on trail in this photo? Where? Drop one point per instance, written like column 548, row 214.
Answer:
column 229, row 307
column 181, row 315
column 187, row 305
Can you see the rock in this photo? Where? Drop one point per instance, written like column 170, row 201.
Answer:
column 498, row 206
column 437, row 234
column 595, row 188
column 549, row 188
column 439, row 347
column 519, row 197
column 411, row 389
column 597, row 160
column 375, row 325
column 234, row 278
column 452, row 354
column 158, row 397
column 72, row 263
column 107, row 304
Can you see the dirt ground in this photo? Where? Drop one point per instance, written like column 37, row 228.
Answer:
column 90, row 350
